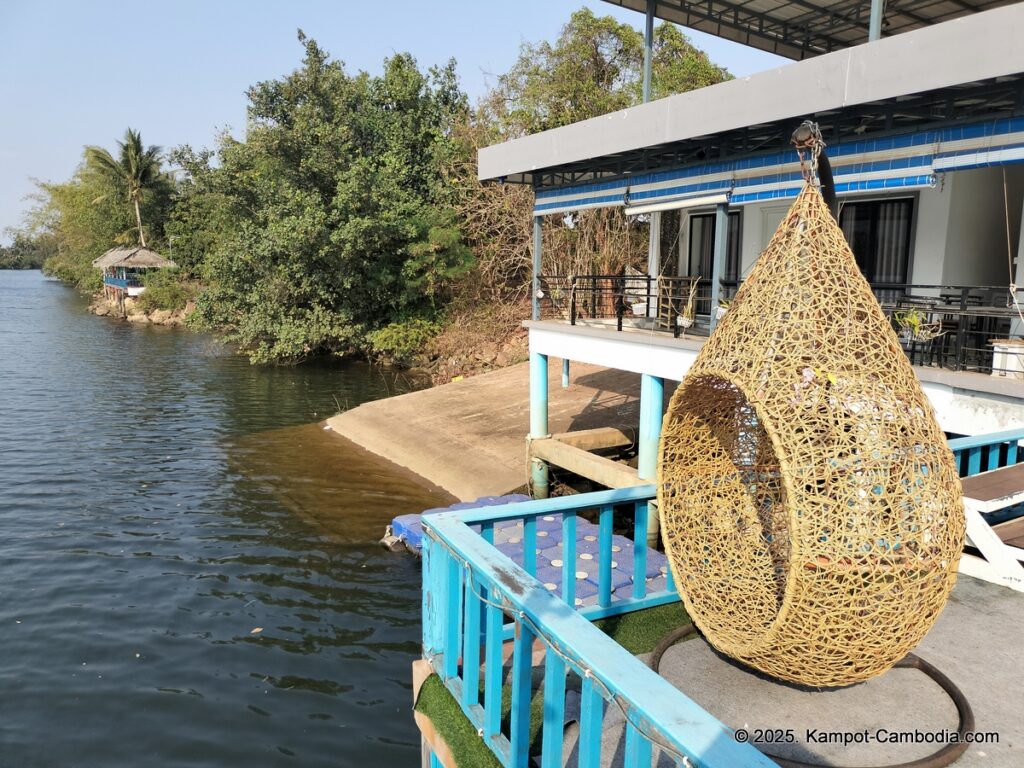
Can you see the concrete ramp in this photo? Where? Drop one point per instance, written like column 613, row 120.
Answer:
column 469, row 437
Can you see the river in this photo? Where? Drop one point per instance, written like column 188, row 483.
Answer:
column 189, row 572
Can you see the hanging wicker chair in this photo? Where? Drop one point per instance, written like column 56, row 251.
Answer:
column 809, row 503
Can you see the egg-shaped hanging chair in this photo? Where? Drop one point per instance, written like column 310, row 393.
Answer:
column 809, row 503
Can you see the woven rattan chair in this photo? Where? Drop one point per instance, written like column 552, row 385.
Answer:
column 809, row 503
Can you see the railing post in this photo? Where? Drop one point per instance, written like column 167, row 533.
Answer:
column 572, row 300
column 961, row 333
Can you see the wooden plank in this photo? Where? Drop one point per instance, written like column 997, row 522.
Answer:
column 608, row 473
column 591, row 716
column 996, row 489
column 595, row 439
column 527, row 509
column 604, row 579
column 552, row 736
column 522, row 690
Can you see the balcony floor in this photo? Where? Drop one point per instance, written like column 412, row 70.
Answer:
column 976, row 642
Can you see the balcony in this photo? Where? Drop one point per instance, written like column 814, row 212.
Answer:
column 479, row 598
column 952, row 327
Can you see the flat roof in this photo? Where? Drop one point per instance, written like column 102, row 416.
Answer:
column 968, row 68
column 800, row 29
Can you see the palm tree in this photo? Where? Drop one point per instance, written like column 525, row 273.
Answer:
column 136, row 169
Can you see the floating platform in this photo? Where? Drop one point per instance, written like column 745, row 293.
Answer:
column 406, row 531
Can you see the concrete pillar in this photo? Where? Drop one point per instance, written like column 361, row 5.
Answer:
column 539, row 421
column 565, row 374
column 654, row 246
column 718, row 258
column 652, row 397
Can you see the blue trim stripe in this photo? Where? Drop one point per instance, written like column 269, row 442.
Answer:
column 693, row 180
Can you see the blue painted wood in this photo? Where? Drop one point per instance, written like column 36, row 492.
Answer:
column 519, row 728
column 682, row 724
column 530, row 545
column 434, row 762
column 487, row 531
column 528, row 509
column 492, row 669
column 973, row 460
column 471, row 646
column 1011, row 452
column 638, row 749
column 552, row 736
column 604, row 568
column 453, row 618
column 569, row 558
column 974, row 441
column 670, row 581
column 640, row 550
column 591, row 716
column 993, row 457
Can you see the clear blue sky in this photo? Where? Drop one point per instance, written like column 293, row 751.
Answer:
column 77, row 73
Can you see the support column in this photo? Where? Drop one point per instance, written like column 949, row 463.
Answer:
column 718, row 258
column 536, row 266
column 652, row 397
column 565, row 374
column 654, row 245
column 538, row 421
column 648, row 49
column 875, row 25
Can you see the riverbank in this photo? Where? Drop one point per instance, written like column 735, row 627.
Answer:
column 132, row 311
column 469, row 437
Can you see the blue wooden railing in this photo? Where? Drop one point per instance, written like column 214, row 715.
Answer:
column 475, row 599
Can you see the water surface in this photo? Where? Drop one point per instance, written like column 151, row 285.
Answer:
column 188, row 566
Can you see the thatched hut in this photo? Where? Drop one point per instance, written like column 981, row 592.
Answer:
column 123, row 269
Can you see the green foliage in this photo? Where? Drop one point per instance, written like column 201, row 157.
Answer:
column 402, row 341
column 166, row 289
column 135, row 171
column 27, row 252
column 330, row 220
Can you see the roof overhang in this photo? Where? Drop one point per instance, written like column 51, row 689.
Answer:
column 800, row 29
column 970, row 67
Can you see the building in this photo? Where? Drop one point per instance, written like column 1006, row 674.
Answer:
column 926, row 145
column 922, row 108
column 123, row 270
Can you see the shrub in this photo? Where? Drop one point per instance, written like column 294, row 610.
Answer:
column 403, row 340
column 165, row 289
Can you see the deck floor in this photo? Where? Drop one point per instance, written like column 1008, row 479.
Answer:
column 976, row 642
column 469, row 437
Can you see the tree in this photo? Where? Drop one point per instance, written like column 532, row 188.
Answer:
column 331, row 219
column 593, row 68
column 136, row 170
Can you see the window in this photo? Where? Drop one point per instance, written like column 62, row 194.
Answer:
column 702, row 246
column 878, row 232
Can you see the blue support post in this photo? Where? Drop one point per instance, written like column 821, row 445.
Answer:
column 718, row 258
column 538, row 421
column 604, row 558
column 554, row 711
column 591, row 716
column 522, row 666
column 569, row 558
column 493, row 661
column 652, row 398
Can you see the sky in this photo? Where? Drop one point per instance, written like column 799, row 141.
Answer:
column 75, row 73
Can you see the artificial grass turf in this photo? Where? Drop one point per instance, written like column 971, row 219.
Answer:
column 637, row 632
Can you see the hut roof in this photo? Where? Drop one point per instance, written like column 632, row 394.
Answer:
column 132, row 257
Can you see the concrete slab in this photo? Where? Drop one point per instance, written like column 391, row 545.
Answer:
column 976, row 642
column 469, row 437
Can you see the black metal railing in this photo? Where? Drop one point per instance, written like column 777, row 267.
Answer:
column 957, row 327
